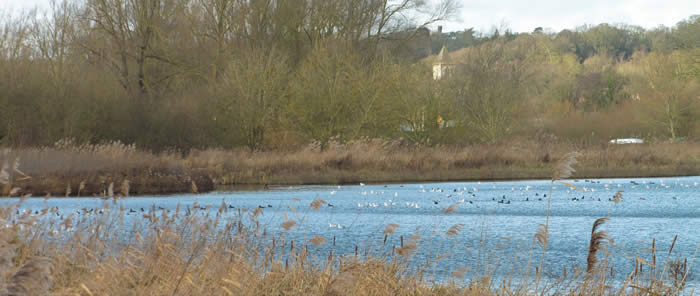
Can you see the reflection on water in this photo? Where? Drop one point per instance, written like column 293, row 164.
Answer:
column 500, row 220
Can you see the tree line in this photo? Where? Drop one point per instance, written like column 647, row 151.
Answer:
column 267, row 74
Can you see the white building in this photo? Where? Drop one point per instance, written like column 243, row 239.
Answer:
column 443, row 65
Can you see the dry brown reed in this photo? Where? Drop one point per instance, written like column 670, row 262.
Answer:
column 318, row 240
column 617, row 198
column 317, row 204
column 454, row 229
column 451, row 209
column 598, row 240
column 541, row 235
column 564, row 168
column 289, row 224
column 391, row 228
column 358, row 161
column 33, row 278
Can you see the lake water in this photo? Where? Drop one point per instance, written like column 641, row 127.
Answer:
column 497, row 237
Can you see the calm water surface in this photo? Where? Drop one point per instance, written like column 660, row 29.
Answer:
column 496, row 235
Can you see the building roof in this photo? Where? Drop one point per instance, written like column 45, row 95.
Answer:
column 443, row 57
column 447, row 57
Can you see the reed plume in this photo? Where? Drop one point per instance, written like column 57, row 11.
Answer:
column 317, row 203
column 617, row 198
column 564, row 168
column 542, row 235
column 451, row 209
column 391, row 228
column 454, row 229
column 410, row 246
column 289, row 224
column 598, row 239
column 460, row 272
column 318, row 240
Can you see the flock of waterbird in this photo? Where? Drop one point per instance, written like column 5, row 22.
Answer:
column 435, row 197
column 523, row 193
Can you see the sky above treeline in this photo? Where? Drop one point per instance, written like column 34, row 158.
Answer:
column 525, row 16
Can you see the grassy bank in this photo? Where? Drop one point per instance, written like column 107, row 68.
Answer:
column 90, row 169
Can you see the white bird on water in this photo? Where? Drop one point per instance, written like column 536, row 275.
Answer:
column 335, row 226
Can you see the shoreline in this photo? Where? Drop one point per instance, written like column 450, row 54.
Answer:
column 132, row 172
column 184, row 188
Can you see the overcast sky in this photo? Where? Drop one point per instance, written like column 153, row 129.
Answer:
column 524, row 16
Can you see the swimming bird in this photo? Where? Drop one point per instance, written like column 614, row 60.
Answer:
column 338, row 226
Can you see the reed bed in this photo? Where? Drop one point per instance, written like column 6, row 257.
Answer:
column 209, row 251
column 61, row 169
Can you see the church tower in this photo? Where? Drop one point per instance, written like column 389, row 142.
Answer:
column 443, row 65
